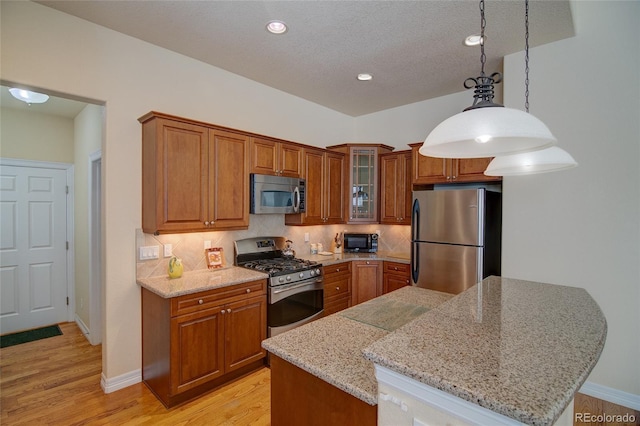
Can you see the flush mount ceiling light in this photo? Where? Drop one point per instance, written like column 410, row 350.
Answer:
column 276, row 27
column 28, row 96
column 551, row 159
column 486, row 129
column 365, row 77
column 472, row 40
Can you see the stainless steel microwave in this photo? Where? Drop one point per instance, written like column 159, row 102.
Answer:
column 277, row 194
column 360, row 243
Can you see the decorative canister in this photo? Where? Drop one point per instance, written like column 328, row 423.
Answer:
column 314, row 248
column 175, row 267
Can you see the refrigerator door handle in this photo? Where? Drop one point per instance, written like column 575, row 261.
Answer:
column 415, row 220
column 415, row 248
column 415, row 255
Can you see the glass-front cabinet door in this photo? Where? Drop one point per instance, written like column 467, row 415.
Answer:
column 364, row 188
column 362, row 198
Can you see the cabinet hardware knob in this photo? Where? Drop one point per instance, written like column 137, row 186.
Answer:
column 228, row 311
column 396, row 268
column 200, row 302
column 338, row 270
column 222, row 312
column 337, row 288
column 248, row 290
column 367, row 262
column 206, row 223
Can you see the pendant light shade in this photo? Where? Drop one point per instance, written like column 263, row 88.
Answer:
column 487, row 132
column 546, row 160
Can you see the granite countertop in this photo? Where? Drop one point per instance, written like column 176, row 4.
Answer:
column 201, row 280
column 343, row 257
column 331, row 348
column 518, row 348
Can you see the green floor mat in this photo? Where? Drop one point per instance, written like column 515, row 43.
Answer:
column 29, row 336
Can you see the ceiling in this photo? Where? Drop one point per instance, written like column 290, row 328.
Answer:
column 414, row 49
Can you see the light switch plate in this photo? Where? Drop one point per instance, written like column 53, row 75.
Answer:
column 168, row 250
column 149, row 252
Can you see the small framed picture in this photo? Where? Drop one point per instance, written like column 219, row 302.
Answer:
column 215, row 257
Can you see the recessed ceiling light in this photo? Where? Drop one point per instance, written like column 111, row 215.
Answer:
column 365, row 77
column 276, row 27
column 472, row 40
column 28, row 96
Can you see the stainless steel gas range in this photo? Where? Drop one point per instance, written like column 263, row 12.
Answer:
column 295, row 294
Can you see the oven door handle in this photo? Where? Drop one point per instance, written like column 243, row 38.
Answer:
column 296, row 286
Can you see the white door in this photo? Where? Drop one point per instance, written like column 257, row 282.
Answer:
column 33, row 247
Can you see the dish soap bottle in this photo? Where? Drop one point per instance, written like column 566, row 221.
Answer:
column 175, row 267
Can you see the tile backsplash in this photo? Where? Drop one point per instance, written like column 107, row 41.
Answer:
column 190, row 247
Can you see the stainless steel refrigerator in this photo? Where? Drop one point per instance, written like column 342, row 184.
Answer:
column 455, row 238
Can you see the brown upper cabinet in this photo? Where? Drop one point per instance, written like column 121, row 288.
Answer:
column 270, row 157
column 323, row 171
column 395, row 188
column 195, row 177
column 431, row 170
column 362, row 186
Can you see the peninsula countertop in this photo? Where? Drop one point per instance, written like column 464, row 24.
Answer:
column 518, row 348
column 331, row 348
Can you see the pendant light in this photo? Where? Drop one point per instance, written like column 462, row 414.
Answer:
column 542, row 161
column 486, row 129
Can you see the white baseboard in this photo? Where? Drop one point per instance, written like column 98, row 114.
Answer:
column 83, row 327
column 615, row 396
column 120, row 382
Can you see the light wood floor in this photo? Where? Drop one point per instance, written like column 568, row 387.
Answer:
column 56, row 381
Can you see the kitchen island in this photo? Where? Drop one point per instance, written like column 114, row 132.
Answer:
column 520, row 349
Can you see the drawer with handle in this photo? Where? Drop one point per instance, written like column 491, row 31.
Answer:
column 210, row 298
column 396, row 268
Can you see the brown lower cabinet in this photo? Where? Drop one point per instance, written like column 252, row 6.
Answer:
column 194, row 343
column 300, row 398
column 337, row 287
column 396, row 275
column 367, row 280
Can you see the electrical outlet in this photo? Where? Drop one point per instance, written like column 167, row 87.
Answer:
column 168, row 250
column 207, row 245
column 306, row 237
column 149, row 252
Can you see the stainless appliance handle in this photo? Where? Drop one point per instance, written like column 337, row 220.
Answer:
column 277, row 294
column 415, row 267
column 415, row 248
column 296, row 199
column 415, row 220
column 306, row 283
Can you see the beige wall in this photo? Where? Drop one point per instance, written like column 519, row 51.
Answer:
column 579, row 227
column 88, row 139
column 132, row 78
column 30, row 135
column 582, row 227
